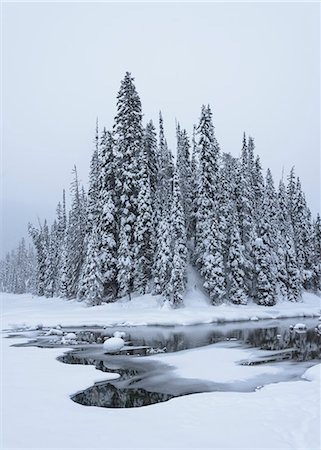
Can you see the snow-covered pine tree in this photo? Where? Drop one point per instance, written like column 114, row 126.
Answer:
column 150, row 145
column 264, row 248
column 93, row 191
column 92, row 214
column 144, row 228
column 291, row 193
column 245, row 198
column 92, row 278
column 245, row 202
column 75, row 236
column 317, row 254
column 235, row 266
column 107, row 217
column 194, row 192
column 301, row 219
column 162, row 268
column 128, row 135
column 289, row 280
column 165, row 174
column 226, row 199
column 250, row 157
column 208, row 181
column 212, row 268
column 21, row 268
column 258, row 188
column 185, row 174
column 179, row 249
column 63, row 270
column 40, row 240
column 54, row 254
column 60, row 247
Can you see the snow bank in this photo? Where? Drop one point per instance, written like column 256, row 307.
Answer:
column 143, row 310
column 218, row 363
column 279, row 416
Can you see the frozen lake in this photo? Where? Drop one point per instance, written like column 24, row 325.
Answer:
column 269, row 352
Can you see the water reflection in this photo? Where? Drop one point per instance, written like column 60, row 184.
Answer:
column 144, row 381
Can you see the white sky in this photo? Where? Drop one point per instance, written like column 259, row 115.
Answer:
column 257, row 64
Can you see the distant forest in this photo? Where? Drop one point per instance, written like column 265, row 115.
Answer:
column 148, row 217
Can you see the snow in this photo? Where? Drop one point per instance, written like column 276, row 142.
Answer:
column 143, row 310
column 119, row 334
column 218, row 363
column 279, row 416
column 53, row 332
column 70, row 336
column 300, row 326
column 114, row 344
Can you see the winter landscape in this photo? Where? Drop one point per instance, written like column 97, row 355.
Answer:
column 173, row 301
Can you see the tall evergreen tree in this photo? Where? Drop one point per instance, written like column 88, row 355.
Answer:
column 288, row 273
column 75, row 236
column 179, row 249
column 208, row 180
column 185, row 174
column 107, row 217
column 237, row 291
column 162, row 268
column 128, row 134
column 144, row 229
column 92, row 279
column 317, row 254
column 150, row 147
column 265, row 257
column 93, row 191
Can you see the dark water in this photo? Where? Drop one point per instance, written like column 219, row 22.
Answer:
column 145, row 381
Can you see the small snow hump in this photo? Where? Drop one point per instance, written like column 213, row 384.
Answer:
column 113, row 344
column 70, row 337
column 119, row 334
column 300, row 327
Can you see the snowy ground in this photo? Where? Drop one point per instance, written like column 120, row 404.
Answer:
column 38, row 413
column 144, row 310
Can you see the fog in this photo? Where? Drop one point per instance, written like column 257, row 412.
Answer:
column 258, row 65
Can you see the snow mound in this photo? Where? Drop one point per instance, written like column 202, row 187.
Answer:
column 313, row 374
column 113, row 344
column 70, row 337
column 119, row 334
column 300, row 327
column 54, row 331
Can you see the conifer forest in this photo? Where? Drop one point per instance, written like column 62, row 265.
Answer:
column 149, row 217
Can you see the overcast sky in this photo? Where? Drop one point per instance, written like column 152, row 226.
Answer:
column 258, row 65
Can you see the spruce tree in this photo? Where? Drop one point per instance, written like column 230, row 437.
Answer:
column 179, row 249
column 237, row 291
column 289, row 280
column 76, row 230
column 162, row 268
column 150, row 147
column 144, row 229
column 316, row 260
column 92, row 279
column 212, row 268
column 128, row 135
column 264, row 248
column 93, row 191
column 107, row 217
column 208, row 180
column 185, row 174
